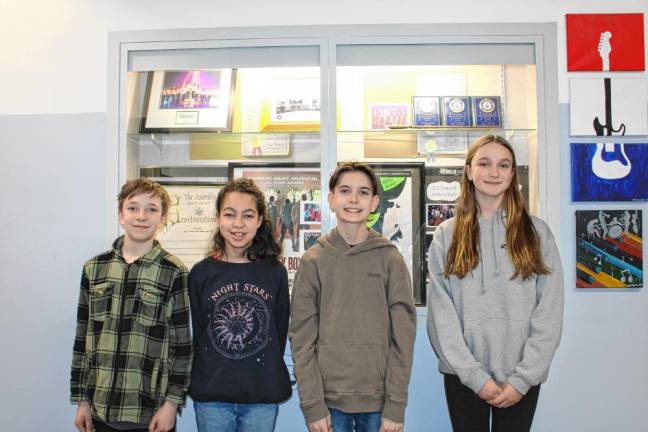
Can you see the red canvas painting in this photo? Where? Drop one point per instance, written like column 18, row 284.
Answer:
column 605, row 42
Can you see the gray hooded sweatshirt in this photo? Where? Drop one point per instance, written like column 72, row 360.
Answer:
column 352, row 328
column 488, row 325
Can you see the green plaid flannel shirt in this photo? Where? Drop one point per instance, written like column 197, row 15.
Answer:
column 132, row 350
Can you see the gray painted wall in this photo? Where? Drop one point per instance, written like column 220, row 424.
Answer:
column 52, row 219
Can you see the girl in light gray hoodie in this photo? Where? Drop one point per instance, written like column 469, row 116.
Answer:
column 495, row 297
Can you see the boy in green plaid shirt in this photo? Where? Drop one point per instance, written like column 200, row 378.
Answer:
column 132, row 351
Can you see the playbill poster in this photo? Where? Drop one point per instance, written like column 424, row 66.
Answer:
column 398, row 216
column 191, row 221
column 291, row 195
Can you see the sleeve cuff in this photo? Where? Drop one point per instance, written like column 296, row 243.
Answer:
column 316, row 411
column 519, row 384
column 476, row 381
column 178, row 400
column 394, row 411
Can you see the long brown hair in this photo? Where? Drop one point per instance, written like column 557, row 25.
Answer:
column 263, row 246
column 523, row 242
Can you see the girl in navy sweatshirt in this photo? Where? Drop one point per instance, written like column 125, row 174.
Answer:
column 240, row 310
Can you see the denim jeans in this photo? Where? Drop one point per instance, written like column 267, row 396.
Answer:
column 233, row 417
column 358, row 422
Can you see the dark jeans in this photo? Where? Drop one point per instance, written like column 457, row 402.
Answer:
column 469, row 413
column 102, row 427
column 358, row 422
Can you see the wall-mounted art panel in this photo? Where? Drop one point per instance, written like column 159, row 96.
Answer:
column 609, row 249
column 608, row 106
column 605, row 42
column 609, row 172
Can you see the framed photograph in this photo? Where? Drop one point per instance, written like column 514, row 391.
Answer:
column 437, row 213
column 294, row 104
column 188, row 101
column 609, row 248
column 399, row 216
column 384, row 115
column 427, row 111
column 307, row 238
column 309, row 212
column 285, row 187
column 191, row 220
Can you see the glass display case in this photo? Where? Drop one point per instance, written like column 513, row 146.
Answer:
column 196, row 108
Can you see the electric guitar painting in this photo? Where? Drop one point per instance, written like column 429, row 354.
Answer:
column 610, row 160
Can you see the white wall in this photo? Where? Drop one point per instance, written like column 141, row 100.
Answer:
column 52, row 119
column 53, row 53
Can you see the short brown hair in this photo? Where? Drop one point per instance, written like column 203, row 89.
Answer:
column 346, row 167
column 144, row 185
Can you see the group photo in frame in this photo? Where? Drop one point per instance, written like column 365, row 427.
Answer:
column 437, row 213
column 188, row 101
column 309, row 212
column 295, row 104
column 285, row 187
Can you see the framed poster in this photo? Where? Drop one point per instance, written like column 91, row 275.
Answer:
column 608, row 106
column 609, row 172
column 188, row 101
column 605, row 42
column 285, row 187
column 609, row 248
column 191, row 221
column 399, row 216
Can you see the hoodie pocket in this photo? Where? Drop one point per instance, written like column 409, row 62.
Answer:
column 352, row 368
column 100, row 301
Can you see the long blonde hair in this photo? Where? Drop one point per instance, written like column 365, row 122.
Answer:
column 523, row 243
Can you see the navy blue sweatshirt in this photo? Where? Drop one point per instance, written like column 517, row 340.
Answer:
column 240, row 314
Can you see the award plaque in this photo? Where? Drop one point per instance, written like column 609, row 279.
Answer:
column 427, row 111
column 486, row 111
column 456, row 111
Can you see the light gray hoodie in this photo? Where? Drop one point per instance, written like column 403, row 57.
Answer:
column 487, row 325
column 352, row 328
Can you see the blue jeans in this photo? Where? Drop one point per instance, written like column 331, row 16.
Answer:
column 233, row 417
column 358, row 422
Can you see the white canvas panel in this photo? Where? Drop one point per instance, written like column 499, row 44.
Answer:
column 628, row 105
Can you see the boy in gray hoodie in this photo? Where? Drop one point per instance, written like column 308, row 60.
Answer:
column 353, row 318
